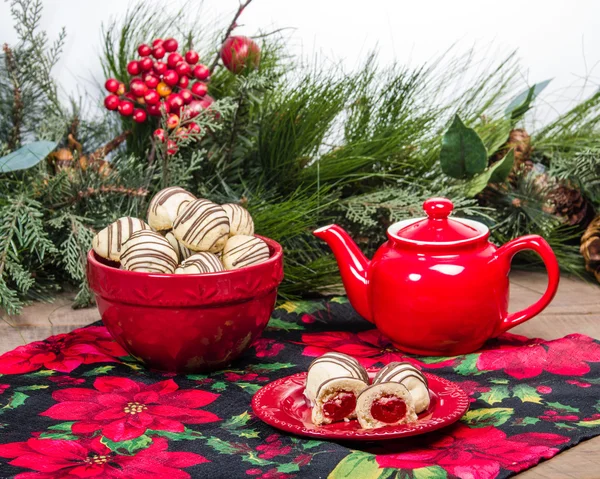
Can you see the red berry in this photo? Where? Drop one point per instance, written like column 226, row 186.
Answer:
column 186, row 96
column 173, row 121
column 183, row 82
column 194, row 108
column 138, row 87
column 111, row 102
column 121, row 89
column 171, row 147
column 237, row 52
column 111, row 85
column 125, row 108
column 170, row 45
column 157, row 42
column 192, row 57
column 194, row 128
column 174, row 103
column 133, row 68
column 153, row 109
column 171, row 77
column 159, row 134
column 130, row 96
column 160, row 68
column 146, row 64
column 151, row 80
column 152, row 97
column 174, row 59
column 144, row 50
column 139, row 116
column 183, row 69
column 207, row 101
column 201, row 72
column 158, row 52
column 199, row 89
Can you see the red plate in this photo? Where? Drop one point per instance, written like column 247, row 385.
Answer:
column 281, row 404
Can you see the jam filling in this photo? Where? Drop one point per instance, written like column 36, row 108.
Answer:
column 388, row 409
column 339, row 406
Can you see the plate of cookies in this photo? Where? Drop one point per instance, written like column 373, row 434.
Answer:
column 337, row 398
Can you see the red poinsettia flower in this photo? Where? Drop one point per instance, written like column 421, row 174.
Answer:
column 273, row 448
column 4, row 387
column 525, row 358
column 66, row 380
column 476, row 453
column 63, row 352
column 245, row 377
column 472, row 387
column 52, row 458
column 123, row 409
column 267, row 348
column 368, row 347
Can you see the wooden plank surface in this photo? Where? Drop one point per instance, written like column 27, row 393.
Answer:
column 575, row 309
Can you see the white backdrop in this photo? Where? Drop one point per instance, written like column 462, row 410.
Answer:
column 557, row 39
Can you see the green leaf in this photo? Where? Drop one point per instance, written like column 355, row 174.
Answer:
column 562, row 407
column 63, row 426
column 248, row 433
column 219, row 386
column 496, row 173
column 197, row 377
column 43, row 373
column 597, row 405
column 59, row 435
column 249, row 387
column 562, row 425
column 27, row 156
column 99, row 370
column 468, row 365
column 252, row 458
column 33, row 387
column 527, row 394
column 129, row 447
column 433, row 359
column 495, row 395
column 487, row 416
column 287, row 468
column 235, row 422
column 187, row 434
column 594, row 423
column 499, row 381
column 311, row 443
column 221, row 446
column 339, row 300
column 463, row 154
column 271, row 366
column 522, row 102
column 357, row 464
column 526, row 421
column 16, row 400
column 301, row 307
column 432, row 472
column 279, row 324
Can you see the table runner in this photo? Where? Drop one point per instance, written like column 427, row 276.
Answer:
column 75, row 406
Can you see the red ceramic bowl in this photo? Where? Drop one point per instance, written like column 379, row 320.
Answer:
column 186, row 323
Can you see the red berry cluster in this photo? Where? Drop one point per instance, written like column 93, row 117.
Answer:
column 159, row 86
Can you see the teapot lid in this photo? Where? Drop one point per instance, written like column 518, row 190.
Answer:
column 437, row 227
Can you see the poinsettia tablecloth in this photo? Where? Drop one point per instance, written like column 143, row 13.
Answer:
column 76, row 406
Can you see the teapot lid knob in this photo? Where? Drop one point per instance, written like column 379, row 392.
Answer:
column 438, row 208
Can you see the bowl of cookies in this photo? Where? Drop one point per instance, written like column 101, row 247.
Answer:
column 190, row 289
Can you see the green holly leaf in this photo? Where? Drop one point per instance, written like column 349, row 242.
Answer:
column 99, row 370
column 186, row 435
column 339, row 300
column 468, row 365
column 63, row 426
column 197, row 377
column 433, row 472
column 33, row 387
column 311, row 443
column 219, row 386
column 270, row 367
column 499, row 381
column 287, row 468
column 495, row 395
column 562, row 407
column 463, row 154
column 562, row 425
column 249, row 387
column 59, row 435
column 130, row 447
column 594, row 423
column 221, row 446
column 434, row 360
column 526, row 421
column 527, row 394
column 281, row 325
column 235, row 422
column 358, row 464
column 27, row 156
column 487, row 416
column 43, row 373
column 597, row 406
column 248, row 433
column 302, row 307
column 497, row 173
column 16, row 400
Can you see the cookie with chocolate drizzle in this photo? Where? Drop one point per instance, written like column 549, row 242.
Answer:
column 242, row 250
column 166, row 205
column 385, row 404
column 108, row 243
column 199, row 263
column 202, row 226
column 150, row 252
column 409, row 376
column 240, row 221
column 183, row 252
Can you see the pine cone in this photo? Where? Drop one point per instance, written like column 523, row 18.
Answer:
column 568, row 203
column 520, row 141
column 590, row 247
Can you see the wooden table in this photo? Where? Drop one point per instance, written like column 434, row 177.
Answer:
column 576, row 309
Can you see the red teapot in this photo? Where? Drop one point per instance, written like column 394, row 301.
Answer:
column 437, row 287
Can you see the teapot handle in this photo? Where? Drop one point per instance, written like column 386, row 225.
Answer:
column 541, row 247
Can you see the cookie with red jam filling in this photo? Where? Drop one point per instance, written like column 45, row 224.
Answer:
column 385, row 404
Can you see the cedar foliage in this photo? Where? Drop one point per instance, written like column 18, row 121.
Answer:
column 298, row 144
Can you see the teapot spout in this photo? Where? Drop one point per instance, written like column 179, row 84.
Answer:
column 353, row 266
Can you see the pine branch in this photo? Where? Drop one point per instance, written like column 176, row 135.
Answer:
column 14, row 139
column 230, row 29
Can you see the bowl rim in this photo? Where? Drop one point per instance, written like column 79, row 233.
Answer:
column 276, row 256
